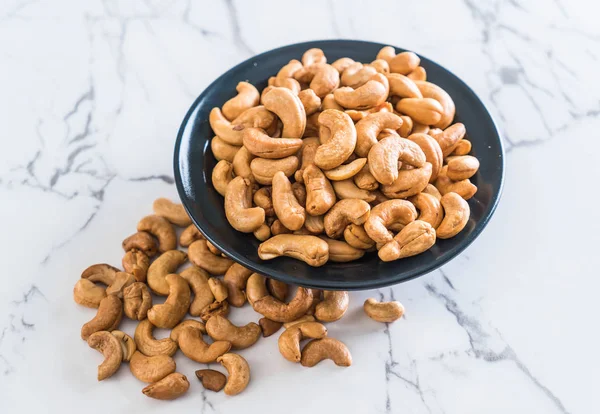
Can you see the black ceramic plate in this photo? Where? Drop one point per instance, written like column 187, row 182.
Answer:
column 193, row 163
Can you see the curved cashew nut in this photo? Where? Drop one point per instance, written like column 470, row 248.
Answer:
column 222, row 175
column 238, row 206
column 329, row 102
column 357, row 237
column 174, row 212
column 387, row 213
column 222, row 150
column 218, row 289
column 141, row 241
column 263, row 198
column 383, row 311
column 313, row 56
column 314, row 224
column 384, row 157
column 88, row 294
column 214, row 309
column 279, row 311
column 305, row 318
column 246, row 98
column 235, row 279
column 192, row 345
column 409, row 182
column 326, row 348
column 356, row 75
column 320, row 196
column 211, row 379
column 462, row 148
column 462, row 167
column 107, row 344
column 150, row 346
column 122, row 280
column 341, row 143
column 432, row 190
column 202, row 257
column 289, row 109
column 365, row 180
column 465, row 188
column 278, row 289
column 432, row 151
column 419, row 74
column 170, row 387
column 241, row 164
column 239, row 373
column 342, row 64
column 407, row 126
column 168, row 314
column 256, row 288
column 404, row 63
column 264, row 169
column 268, row 327
column 312, row 125
column 309, row 249
column 426, row 111
column 136, row 263
column 457, row 212
column 430, row 90
column 127, row 344
column 343, row 213
column 346, row 171
column 323, row 78
column 241, row 337
column 166, row 263
column 190, row 235
column 386, row 53
column 413, row 239
column 341, row 252
column 151, row 368
column 430, row 209
column 381, row 66
column 188, row 323
column 403, row 86
column 262, row 145
column 108, row 317
column 299, row 190
column 285, row 76
column 289, row 340
column 309, row 148
column 102, row 272
column 310, row 101
column 278, row 228
column 262, row 233
column 160, row 228
column 286, row 206
column 333, row 306
column 372, row 93
column 137, row 301
column 231, row 132
column 368, row 128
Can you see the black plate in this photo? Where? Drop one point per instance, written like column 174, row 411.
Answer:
column 193, row 163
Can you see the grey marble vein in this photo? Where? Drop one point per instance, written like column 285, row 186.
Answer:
column 238, row 39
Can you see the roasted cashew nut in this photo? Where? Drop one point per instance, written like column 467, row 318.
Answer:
column 211, row 379
column 174, row 212
column 279, row 311
column 404, row 63
column 160, row 228
column 169, row 313
column 88, row 294
column 360, row 115
column 357, row 237
column 241, row 164
column 218, row 289
column 309, row 249
column 462, row 148
column 137, row 301
column 256, row 288
column 462, row 167
column 239, row 373
column 222, row 175
column 170, row 387
column 341, row 252
column 289, row 340
column 381, row 66
column 108, row 317
column 383, row 311
column 386, row 53
column 323, row 78
column 384, row 215
column 289, row 109
column 456, row 216
column 187, row 323
column 241, row 337
column 342, row 64
column 122, row 280
column 284, row 78
column 409, row 182
column 464, row 188
column 318, row 350
column 426, row 111
column 262, row 145
column 384, row 157
column 309, row 148
column 222, row 150
column 151, row 368
column 314, row 224
column 432, row 151
column 141, row 241
column 150, row 346
column 192, row 345
column 364, row 180
column 107, row 344
column 136, row 263
column 127, row 344
column 246, row 98
column 264, row 169
column 166, row 263
column 430, row 208
column 278, row 289
column 372, row 93
column 430, row 90
column 202, row 257
column 450, row 138
column 329, row 102
column 320, row 196
column 313, row 56
column 333, row 306
column 403, row 86
column 286, row 206
column 413, row 239
column 346, row 171
column 102, row 272
column 268, row 327
column 368, row 128
column 238, row 206
column 342, row 139
column 214, row 309
column 263, row 199
column 343, row 213
column 190, row 235
column 310, row 101
column 407, row 126
column 230, row 133
column 235, row 279
column 356, row 75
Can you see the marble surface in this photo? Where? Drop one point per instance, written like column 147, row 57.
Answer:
column 92, row 95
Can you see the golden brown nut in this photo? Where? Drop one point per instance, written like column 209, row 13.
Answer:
column 151, row 368
column 314, row 224
column 109, row 346
column 368, row 128
column 456, row 216
column 102, row 272
column 239, row 373
column 346, row 171
column 300, row 193
column 136, row 263
column 246, row 98
column 365, row 180
column 241, row 164
column 256, row 288
column 430, row 209
column 330, row 103
column 413, row 239
column 407, row 126
column 88, row 294
column 222, row 174
column 313, row 56
column 384, row 157
column 211, row 379
column 372, row 93
column 190, row 235
column 278, row 289
column 320, row 196
column 284, row 78
column 462, row 167
column 127, row 344
column 356, row 75
column 122, row 280
column 309, row 249
column 432, row 151
column 150, row 346
column 108, row 317
column 141, row 241
column 384, row 215
column 218, row 289
column 309, row 148
column 326, row 348
column 269, row 327
column 288, row 107
column 289, row 340
column 160, row 228
column 192, row 345
column 450, row 138
column 323, row 78
column 342, row 64
column 214, row 309
column 347, row 189
column 169, row 388
column 383, row 311
column 340, row 251
column 403, row 86
column 404, row 63
column 137, row 301
column 462, row 148
column 262, row 145
column 356, row 236
column 197, row 278
column 174, row 212
column 223, row 150
column 310, row 101
column 235, row 279
column 333, row 306
column 166, row 263
column 230, row 133
column 279, row 311
column 241, row 337
column 263, row 199
column 465, row 188
column 343, row 213
column 264, row 169
column 430, row 90
column 425, row 111
column 419, row 74
column 238, row 206
column 169, row 313
column 342, row 139
column 278, row 228
column 409, row 182
column 286, row 206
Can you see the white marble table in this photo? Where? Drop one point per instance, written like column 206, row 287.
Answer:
column 92, row 95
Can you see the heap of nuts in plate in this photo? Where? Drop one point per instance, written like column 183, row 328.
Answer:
column 154, row 266
column 331, row 161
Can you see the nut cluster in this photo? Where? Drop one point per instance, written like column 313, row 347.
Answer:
column 330, row 161
column 153, row 266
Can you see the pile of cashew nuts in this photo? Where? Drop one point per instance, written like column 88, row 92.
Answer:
column 154, row 266
column 331, row 161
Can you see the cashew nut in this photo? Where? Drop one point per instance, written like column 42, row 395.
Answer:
column 345, row 171
column 381, row 66
column 341, row 252
column 88, row 294
column 407, row 126
column 223, row 150
column 343, row 213
column 462, row 167
column 413, row 239
column 432, row 151
column 238, row 206
column 286, row 206
column 347, row 189
column 462, row 148
column 108, row 317
column 360, row 115
column 450, row 138
column 330, row 103
column 235, row 279
column 313, row 56
column 218, row 289
column 387, row 213
column 333, row 306
column 419, row 74
column 150, row 346
column 309, row 249
column 136, row 263
column 430, row 209
column 192, row 345
column 262, row 145
column 101, row 272
column 409, row 182
column 166, row 263
column 341, row 142
column 278, row 289
column 214, row 309
column 190, row 235
column 364, row 180
column 268, row 327
column 372, row 93
column 241, row 337
column 262, row 198
column 404, row 63
column 384, row 157
column 356, row 75
column 310, row 101
column 289, row 340
column 425, row 111
column 430, row 90
column 465, row 188
column 187, row 323
column 122, row 280
column 326, row 348
column 403, row 86
column 127, row 344
column 211, row 379
column 137, row 301
column 230, row 133
column 289, row 109
column 314, row 224
column 320, row 196
column 109, row 346
column 151, row 368
column 432, row 190
column 309, row 148
column 256, row 288
column 456, row 216
column 383, row 311
column 279, row 311
column 284, row 78
column 264, row 169
column 278, row 228
column 222, row 174
column 169, row 313
column 386, row 53
column 141, row 241
column 246, row 98
column 323, row 78
column 239, row 373
column 160, row 228
column 241, row 164
column 169, row 388
column 342, row 64
column 173, row 212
